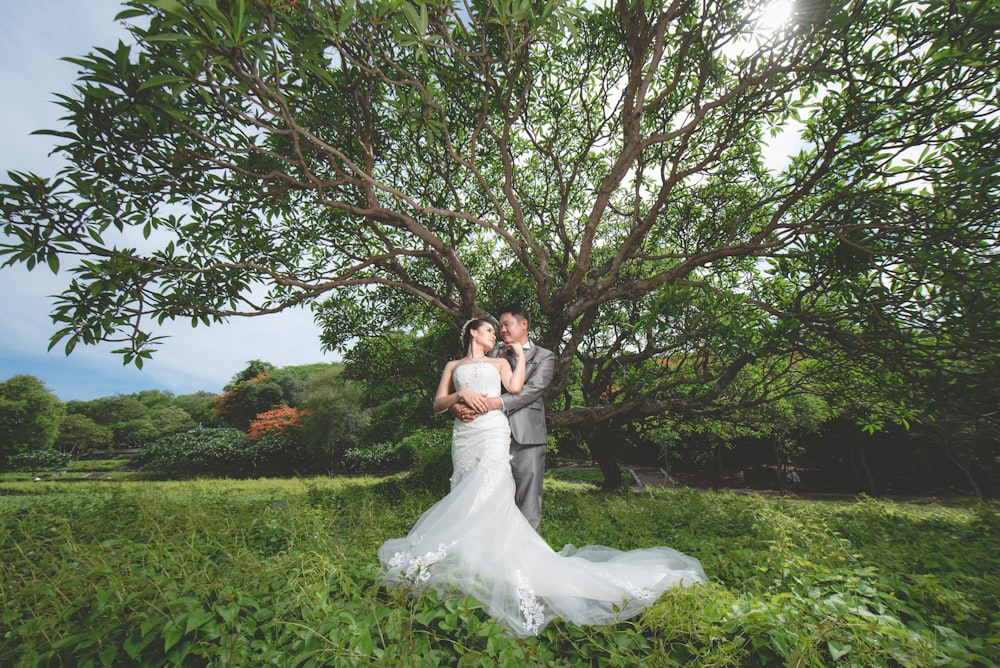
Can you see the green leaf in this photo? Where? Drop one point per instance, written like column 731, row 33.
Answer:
column 172, row 635
column 134, row 645
column 197, row 619
column 838, row 650
column 168, row 6
column 161, row 80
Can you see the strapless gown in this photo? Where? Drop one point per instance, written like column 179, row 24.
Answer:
column 475, row 542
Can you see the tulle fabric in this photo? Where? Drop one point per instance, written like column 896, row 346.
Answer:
column 475, row 542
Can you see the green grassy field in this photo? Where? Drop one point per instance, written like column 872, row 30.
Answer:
column 282, row 572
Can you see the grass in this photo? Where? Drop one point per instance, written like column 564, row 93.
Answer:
column 581, row 474
column 283, row 572
column 77, row 469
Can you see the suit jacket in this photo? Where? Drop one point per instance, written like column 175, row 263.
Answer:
column 526, row 410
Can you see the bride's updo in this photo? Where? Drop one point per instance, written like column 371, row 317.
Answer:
column 468, row 328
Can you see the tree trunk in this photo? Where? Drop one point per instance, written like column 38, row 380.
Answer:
column 858, row 451
column 601, row 442
column 967, row 472
column 956, row 458
column 779, row 461
column 852, row 457
column 717, row 469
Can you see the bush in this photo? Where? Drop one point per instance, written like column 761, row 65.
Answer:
column 433, row 461
column 382, row 457
column 38, row 460
column 226, row 452
column 281, row 454
column 370, row 458
column 206, row 451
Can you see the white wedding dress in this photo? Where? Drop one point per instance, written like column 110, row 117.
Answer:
column 475, row 542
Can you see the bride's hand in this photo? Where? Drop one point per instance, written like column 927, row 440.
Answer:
column 474, row 400
column 517, row 348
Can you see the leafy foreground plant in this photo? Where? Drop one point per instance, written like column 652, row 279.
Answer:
column 283, row 573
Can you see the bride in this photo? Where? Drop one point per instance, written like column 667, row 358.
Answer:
column 475, row 542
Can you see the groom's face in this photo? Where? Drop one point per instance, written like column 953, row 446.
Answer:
column 513, row 329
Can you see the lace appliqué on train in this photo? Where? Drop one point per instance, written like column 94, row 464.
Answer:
column 634, row 591
column 418, row 569
column 528, row 603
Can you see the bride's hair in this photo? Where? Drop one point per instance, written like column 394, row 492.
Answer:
column 467, row 330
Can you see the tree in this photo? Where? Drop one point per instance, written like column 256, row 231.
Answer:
column 253, row 369
column 336, row 417
column 139, row 418
column 30, row 415
column 135, row 433
column 170, row 420
column 154, row 399
column 109, row 411
column 79, row 434
column 247, row 395
column 404, row 166
column 200, row 406
column 281, row 421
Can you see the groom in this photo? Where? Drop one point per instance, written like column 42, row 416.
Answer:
column 526, row 412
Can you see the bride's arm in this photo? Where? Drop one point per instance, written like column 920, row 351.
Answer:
column 513, row 381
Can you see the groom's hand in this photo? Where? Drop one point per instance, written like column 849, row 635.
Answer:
column 467, row 414
column 463, row 412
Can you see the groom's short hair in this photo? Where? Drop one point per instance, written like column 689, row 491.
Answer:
column 515, row 310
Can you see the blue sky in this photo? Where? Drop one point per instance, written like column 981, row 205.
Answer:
column 34, row 35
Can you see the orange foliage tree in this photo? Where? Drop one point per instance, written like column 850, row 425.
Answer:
column 279, row 420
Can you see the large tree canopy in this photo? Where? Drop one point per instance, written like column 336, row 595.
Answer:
column 30, row 415
column 398, row 164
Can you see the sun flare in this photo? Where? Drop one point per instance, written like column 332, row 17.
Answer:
column 775, row 15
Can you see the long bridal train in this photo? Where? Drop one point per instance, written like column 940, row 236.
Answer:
column 475, row 542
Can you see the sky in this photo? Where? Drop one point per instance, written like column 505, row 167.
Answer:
column 34, row 36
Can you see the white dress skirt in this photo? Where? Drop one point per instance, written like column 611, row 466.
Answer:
column 475, row 542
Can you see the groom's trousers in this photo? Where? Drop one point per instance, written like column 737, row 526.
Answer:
column 528, row 466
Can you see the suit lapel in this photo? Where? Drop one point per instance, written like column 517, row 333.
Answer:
column 529, row 354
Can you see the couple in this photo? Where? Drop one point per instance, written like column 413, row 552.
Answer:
column 476, row 542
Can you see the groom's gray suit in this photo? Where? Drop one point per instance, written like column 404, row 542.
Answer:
column 529, row 435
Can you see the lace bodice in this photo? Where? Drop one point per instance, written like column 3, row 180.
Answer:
column 485, row 441
column 477, row 376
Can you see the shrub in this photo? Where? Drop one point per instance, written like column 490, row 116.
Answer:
column 381, row 457
column 433, row 462
column 369, row 458
column 38, row 460
column 220, row 451
column 281, row 454
column 227, row 452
